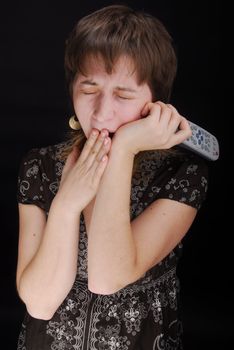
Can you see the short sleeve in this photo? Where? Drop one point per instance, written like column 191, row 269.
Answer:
column 186, row 181
column 30, row 188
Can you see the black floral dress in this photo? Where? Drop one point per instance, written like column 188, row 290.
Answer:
column 143, row 315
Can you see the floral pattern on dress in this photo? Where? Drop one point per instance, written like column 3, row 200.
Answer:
column 142, row 315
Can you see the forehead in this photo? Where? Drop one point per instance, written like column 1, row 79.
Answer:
column 123, row 67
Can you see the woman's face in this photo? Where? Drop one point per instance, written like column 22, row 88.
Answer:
column 107, row 101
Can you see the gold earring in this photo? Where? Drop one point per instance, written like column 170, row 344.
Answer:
column 74, row 123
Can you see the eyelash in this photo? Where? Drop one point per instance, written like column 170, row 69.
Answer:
column 124, row 98
column 121, row 97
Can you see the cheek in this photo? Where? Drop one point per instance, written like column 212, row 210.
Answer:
column 82, row 112
column 82, row 109
column 130, row 113
column 79, row 106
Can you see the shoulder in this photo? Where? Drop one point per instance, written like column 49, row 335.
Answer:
column 189, row 164
column 39, row 175
column 44, row 159
column 166, row 163
column 180, row 175
column 52, row 152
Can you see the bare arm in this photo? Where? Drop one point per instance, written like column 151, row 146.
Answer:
column 119, row 251
column 48, row 251
column 47, row 258
column 111, row 246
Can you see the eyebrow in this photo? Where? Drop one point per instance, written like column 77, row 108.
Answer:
column 88, row 82
column 120, row 88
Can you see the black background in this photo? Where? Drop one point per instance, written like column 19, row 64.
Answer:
column 35, row 112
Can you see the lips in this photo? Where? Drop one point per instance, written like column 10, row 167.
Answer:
column 110, row 134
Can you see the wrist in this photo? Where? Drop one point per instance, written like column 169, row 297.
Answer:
column 60, row 205
column 122, row 145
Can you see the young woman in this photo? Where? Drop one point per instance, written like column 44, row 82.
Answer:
column 102, row 214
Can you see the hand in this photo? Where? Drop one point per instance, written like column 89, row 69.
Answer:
column 161, row 127
column 82, row 172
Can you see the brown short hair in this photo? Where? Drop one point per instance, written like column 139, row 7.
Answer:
column 118, row 30
column 115, row 31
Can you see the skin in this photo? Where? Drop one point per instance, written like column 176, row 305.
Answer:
column 110, row 101
column 103, row 103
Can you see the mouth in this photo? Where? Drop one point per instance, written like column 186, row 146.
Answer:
column 111, row 134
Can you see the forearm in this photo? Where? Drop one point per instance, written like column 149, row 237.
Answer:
column 111, row 248
column 49, row 276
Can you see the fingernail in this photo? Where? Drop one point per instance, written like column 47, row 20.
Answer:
column 94, row 132
column 104, row 133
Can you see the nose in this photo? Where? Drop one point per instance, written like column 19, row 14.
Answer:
column 103, row 109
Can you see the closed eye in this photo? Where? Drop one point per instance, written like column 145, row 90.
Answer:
column 125, row 97
column 89, row 92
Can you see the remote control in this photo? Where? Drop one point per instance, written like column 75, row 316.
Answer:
column 202, row 142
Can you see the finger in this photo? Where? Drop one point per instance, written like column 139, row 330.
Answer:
column 160, row 103
column 94, row 152
column 184, row 125
column 99, row 143
column 89, row 144
column 146, row 109
column 175, row 117
column 98, row 172
column 175, row 120
column 184, row 131
column 172, row 108
column 153, row 111
column 104, row 149
column 165, row 116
